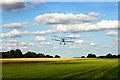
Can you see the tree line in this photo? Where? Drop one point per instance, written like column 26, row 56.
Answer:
column 109, row 55
column 18, row 54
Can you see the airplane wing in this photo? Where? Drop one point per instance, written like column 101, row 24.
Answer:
column 70, row 41
column 57, row 36
column 69, row 37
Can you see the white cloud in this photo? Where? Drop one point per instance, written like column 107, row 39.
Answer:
column 94, row 14
column 23, row 47
column 74, row 46
column 17, row 5
column 82, row 42
column 22, row 44
column 40, row 38
column 74, row 36
column 37, row 3
column 104, row 24
column 9, row 41
column 112, row 33
column 31, row 44
column 48, row 43
column 43, row 32
column 55, row 47
column 60, row 18
column 12, row 5
column 79, row 41
column 12, row 41
column 15, row 45
column 9, row 47
column 92, row 44
column 14, row 33
column 15, row 25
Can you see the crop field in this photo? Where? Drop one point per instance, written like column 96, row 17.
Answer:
column 62, row 69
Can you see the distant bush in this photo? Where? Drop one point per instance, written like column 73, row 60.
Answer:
column 91, row 55
column 56, row 56
column 83, row 57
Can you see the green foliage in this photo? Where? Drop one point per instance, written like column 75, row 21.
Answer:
column 48, row 56
column 30, row 55
column 41, row 55
column 9, row 54
column 109, row 55
column 57, row 56
column 83, row 57
column 18, row 53
column 91, row 55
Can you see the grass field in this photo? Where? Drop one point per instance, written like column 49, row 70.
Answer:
column 80, row 68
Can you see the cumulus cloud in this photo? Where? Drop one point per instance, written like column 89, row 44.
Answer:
column 12, row 41
column 9, row 41
column 17, row 5
column 55, row 47
column 94, row 14
column 15, row 25
column 43, row 32
column 74, row 36
column 60, row 18
column 104, row 24
column 47, row 43
column 31, row 44
column 112, row 33
column 14, row 33
column 23, row 47
column 92, row 44
column 37, row 3
column 74, row 46
column 79, row 41
column 40, row 38
column 22, row 44
column 15, row 45
column 85, row 42
column 12, row 5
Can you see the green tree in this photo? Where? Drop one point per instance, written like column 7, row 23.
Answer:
column 91, row 55
column 41, row 55
column 30, row 55
column 18, row 53
column 9, row 54
column 57, row 56
column 83, row 57
column 48, row 56
column 109, row 55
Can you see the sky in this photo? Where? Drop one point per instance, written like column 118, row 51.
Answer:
column 30, row 26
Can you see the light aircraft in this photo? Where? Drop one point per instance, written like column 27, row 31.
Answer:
column 63, row 39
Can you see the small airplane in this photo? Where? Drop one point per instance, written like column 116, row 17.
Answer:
column 63, row 39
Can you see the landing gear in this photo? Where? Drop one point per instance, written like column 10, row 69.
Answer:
column 60, row 43
column 64, row 43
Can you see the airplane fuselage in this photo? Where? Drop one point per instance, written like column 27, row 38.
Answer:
column 62, row 40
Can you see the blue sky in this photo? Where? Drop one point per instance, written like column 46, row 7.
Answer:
column 100, row 42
